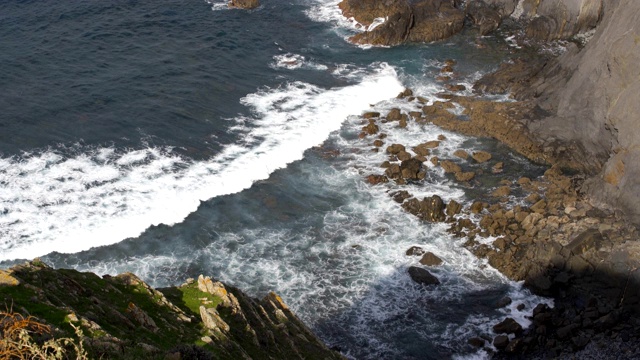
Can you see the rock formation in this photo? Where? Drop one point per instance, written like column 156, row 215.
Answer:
column 122, row 317
column 405, row 21
column 244, row 4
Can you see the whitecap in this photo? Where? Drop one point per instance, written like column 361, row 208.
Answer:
column 52, row 203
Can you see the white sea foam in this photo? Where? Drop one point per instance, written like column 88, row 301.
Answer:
column 218, row 5
column 349, row 267
column 52, row 203
column 295, row 61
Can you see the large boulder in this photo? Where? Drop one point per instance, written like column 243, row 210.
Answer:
column 422, row 276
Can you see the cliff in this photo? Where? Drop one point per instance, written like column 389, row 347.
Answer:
column 122, row 317
column 591, row 95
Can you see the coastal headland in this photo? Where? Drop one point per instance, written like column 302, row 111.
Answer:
column 569, row 234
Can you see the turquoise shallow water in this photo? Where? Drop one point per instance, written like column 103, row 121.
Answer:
column 177, row 139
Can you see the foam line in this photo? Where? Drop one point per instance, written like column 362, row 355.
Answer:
column 100, row 197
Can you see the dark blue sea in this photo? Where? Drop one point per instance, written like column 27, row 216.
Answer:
column 178, row 138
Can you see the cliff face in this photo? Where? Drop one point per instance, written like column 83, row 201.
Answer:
column 121, row 317
column 592, row 94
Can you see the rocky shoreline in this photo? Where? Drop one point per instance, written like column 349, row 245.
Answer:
column 121, row 317
column 569, row 234
column 554, row 240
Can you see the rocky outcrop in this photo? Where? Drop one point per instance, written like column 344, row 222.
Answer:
column 404, row 21
column 585, row 108
column 122, row 317
column 244, row 4
column 542, row 19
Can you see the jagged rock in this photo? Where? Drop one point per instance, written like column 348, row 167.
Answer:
column 371, row 128
column 453, row 208
column 405, row 93
column 394, row 115
column 484, row 16
column 410, row 169
column 508, row 326
column 403, row 156
column 395, row 149
column 421, row 150
column 212, row 320
column 422, row 276
column 377, row 179
column 430, row 259
column 400, row 196
column 501, row 341
column 393, row 171
column 432, row 209
column 421, row 21
column 244, row 4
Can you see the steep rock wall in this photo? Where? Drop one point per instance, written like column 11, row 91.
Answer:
column 596, row 108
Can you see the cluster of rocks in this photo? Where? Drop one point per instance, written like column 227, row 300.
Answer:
column 123, row 317
column 542, row 231
column 431, row 20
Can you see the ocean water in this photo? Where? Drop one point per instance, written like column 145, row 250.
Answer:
column 173, row 139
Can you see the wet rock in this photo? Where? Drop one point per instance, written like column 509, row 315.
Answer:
column 504, row 302
column 393, row 171
column 450, row 167
column 477, row 207
column 394, row 115
column 410, row 169
column 433, row 209
column 371, row 128
column 508, row 326
column 465, row 176
column 406, row 93
column 430, row 259
column 421, row 150
column 415, row 251
column 395, row 149
column 476, row 342
column 422, row 276
column 453, row 208
column 455, row 88
column 501, row 342
column 481, row 156
column 377, row 179
column 244, row 4
column 403, row 156
column 371, row 115
column 461, row 154
column 400, row 196
column 501, row 191
column 378, row 143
